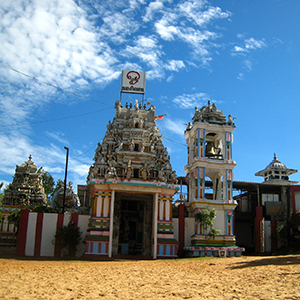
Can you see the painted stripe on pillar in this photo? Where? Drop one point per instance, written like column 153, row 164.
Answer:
column 231, row 145
column 198, row 182
column 38, row 234
column 226, row 180
column 226, row 216
column 225, row 136
column 74, row 217
column 102, row 206
column 22, row 233
column 109, row 201
column 199, row 153
column 96, row 206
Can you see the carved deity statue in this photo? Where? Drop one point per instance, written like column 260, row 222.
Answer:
column 128, row 171
column 144, row 172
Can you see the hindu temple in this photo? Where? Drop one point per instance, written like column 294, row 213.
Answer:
column 131, row 185
column 26, row 187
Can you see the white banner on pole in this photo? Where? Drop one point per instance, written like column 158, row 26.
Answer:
column 133, row 82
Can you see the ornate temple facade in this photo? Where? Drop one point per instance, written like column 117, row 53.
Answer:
column 25, row 190
column 131, row 185
column 209, row 141
column 27, row 186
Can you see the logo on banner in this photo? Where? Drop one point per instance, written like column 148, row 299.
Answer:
column 133, row 82
column 134, row 77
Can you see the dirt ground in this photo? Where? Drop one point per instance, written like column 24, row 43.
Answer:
column 276, row 277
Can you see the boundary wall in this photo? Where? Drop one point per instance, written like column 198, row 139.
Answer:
column 37, row 231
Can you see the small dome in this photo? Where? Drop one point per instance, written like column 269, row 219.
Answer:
column 277, row 172
column 276, row 164
column 28, row 166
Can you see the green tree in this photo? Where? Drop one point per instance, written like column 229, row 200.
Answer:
column 206, row 217
column 59, row 184
column 48, row 184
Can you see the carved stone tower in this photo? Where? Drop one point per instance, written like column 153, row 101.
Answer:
column 209, row 141
column 131, row 185
column 27, row 186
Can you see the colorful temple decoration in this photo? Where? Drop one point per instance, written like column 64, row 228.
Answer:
column 131, row 186
column 26, row 188
column 210, row 156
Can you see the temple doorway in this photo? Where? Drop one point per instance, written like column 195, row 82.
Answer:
column 133, row 222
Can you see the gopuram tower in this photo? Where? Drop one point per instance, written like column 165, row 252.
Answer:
column 209, row 141
column 131, row 185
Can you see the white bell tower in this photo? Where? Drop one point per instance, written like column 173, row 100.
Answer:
column 209, row 141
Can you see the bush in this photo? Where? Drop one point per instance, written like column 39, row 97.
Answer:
column 68, row 237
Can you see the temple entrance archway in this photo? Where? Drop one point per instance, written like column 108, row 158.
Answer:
column 132, row 225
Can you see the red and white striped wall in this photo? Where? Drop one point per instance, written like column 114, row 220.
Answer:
column 37, row 231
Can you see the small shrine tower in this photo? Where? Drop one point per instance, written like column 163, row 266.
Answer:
column 209, row 141
column 27, row 186
column 277, row 172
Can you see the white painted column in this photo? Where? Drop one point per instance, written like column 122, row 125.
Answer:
column 155, row 211
column 111, row 223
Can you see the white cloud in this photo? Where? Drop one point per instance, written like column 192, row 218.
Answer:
column 175, row 126
column 241, row 76
column 187, row 101
column 248, row 44
column 239, row 49
column 186, row 22
column 254, row 44
column 174, row 65
column 195, row 10
column 151, row 9
column 58, row 136
column 248, row 64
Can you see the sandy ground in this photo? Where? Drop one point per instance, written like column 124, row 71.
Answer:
column 215, row 278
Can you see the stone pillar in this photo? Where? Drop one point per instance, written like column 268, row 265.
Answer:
column 155, row 214
column 111, row 227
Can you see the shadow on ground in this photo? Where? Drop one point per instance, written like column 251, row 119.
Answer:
column 264, row 261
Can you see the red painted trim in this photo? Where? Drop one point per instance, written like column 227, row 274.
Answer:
column 22, row 233
column 258, row 218
column 74, row 217
column 293, row 189
column 38, row 234
column 59, row 224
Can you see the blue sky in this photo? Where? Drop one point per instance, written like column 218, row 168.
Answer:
column 242, row 55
